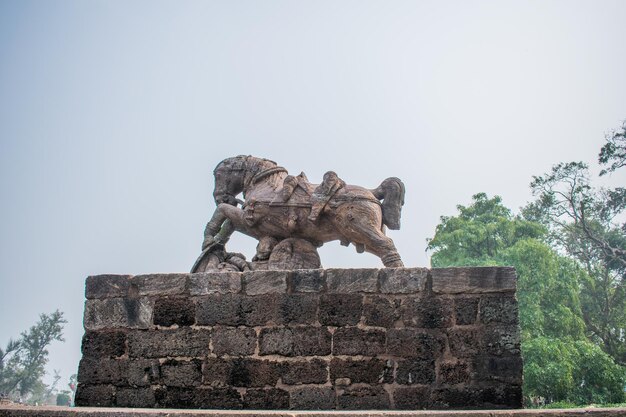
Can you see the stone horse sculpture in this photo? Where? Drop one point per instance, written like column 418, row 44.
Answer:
column 281, row 210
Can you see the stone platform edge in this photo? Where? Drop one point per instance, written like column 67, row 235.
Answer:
column 27, row 411
column 458, row 280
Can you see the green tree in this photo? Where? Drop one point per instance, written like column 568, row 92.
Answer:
column 576, row 371
column 553, row 330
column 22, row 363
column 548, row 290
column 613, row 153
column 479, row 233
column 583, row 222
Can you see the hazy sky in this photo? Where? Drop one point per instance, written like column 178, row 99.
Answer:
column 113, row 115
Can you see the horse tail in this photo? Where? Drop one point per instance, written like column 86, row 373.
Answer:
column 391, row 191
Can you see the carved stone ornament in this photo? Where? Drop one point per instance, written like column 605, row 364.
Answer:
column 290, row 217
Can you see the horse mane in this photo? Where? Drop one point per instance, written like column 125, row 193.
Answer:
column 247, row 162
column 250, row 166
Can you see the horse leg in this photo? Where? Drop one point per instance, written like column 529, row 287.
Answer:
column 264, row 248
column 225, row 220
column 383, row 247
column 362, row 227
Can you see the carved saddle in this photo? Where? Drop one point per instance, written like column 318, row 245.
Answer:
column 299, row 192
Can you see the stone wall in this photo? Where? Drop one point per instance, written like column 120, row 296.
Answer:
column 406, row 338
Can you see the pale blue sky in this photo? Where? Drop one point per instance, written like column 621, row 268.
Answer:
column 113, row 115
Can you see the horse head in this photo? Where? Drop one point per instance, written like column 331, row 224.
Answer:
column 234, row 175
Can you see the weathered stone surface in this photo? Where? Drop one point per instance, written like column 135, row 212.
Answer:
column 276, row 342
column 461, row 397
column 261, row 310
column 403, row 280
column 506, row 369
column 174, row 311
column 363, row 398
column 380, row 311
column 107, row 286
column 265, row 282
column 219, row 309
column 372, row 371
column 414, row 343
column 266, row 399
column 181, row 373
column 104, row 344
column 168, row 343
column 464, row 342
column 455, row 372
column 238, row 310
column 355, row 341
column 214, row 283
column 311, row 341
column 233, row 341
column 500, row 309
column 307, row 280
column 94, row 395
column 298, row 309
column 502, row 340
column 296, row 341
column 347, row 281
column 500, row 396
column 456, row 397
column 135, row 397
column 314, row 371
column 142, row 372
column 473, row 280
column 103, row 371
column 219, row 398
column 160, row 284
column 412, row 398
column 340, row 309
column 431, row 313
column 115, row 313
column 415, row 371
column 254, row 373
column 200, row 397
column 176, row 397
column 216, row 372
column 466, row 310
column 342, row 382
column 312, row 398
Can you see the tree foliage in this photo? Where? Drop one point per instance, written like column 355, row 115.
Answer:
column 583, row 222
column 479, row 233
column 613, row 153
column 576, row 371
column 548, row 291
column 22, row 362
column 557, row 354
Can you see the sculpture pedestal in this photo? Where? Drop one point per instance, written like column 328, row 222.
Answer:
column 405, row 338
